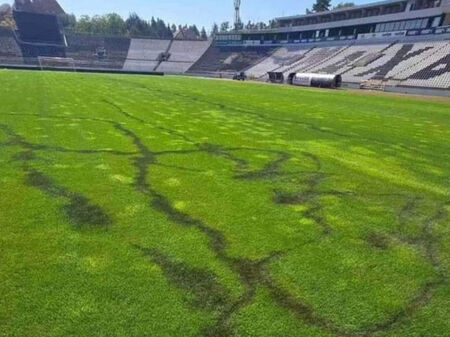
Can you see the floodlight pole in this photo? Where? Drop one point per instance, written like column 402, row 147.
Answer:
column 237, row 16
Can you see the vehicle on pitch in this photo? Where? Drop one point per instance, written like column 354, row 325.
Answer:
column 240, row 76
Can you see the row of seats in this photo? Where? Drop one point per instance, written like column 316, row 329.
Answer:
column 230, row 59
column 415, row 63
column 418, row 64
column 146, row 49
column 97, row 51
column 182, row 55
column 430, row 72
column 345, row 61
column 314, row 58
column 164, row 55
column 9, row 49
column 280, row 58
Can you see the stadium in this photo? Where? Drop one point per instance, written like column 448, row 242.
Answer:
column 291, row 180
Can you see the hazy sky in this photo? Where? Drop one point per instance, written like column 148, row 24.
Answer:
column 200, row 12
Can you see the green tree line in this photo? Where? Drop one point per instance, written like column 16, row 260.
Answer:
column 113, row 24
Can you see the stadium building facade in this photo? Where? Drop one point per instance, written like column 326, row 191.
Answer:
column 392, row 18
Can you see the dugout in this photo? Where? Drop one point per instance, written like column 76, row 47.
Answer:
column 276, row 77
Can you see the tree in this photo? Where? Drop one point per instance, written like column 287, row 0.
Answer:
column 161, row 29
column 84, row 24
column 169, row 33
column 344, row 5
column 274, row 24
column 203, row 34
column 321, row 6
column 214, row 30
column 225, row 26
column 6, row 17
column 153, row 28
column 136, row 26
column 114, row 24
column 194, row 30
column 69, row 21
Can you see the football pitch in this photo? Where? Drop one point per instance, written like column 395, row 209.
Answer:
column 178, row 207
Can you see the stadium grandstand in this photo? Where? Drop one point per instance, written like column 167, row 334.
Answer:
column 399, row 45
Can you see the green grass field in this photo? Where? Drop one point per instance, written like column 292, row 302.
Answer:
column 179, row 207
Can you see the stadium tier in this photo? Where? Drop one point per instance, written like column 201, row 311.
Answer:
column 10, row 52
column 181, row 56
column 395, row 43
column 229, row 59
column 97, row 51
column 145, row 54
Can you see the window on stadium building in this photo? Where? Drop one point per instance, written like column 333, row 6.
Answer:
column 229, row 37
column 423, row 4
column 401, row 25
column 396, row 8
column 355, row 14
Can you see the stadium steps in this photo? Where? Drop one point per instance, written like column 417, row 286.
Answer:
column 214, row 59
column 320, row 52
column 339, row 52
column 166, row 52
column 262, row 60
column 295, row 61
column 10, row 52
column 372, row 84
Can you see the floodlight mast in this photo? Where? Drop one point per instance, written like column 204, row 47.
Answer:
column 237, row 15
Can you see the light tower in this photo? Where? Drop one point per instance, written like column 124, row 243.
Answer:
column 237, row 16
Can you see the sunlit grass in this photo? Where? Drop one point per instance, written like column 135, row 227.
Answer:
column 144, row 206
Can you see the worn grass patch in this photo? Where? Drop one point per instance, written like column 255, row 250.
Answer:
column 140, row 206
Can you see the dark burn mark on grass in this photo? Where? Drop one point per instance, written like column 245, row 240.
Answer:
column 303, row 311
column 429, row 240
column 142, row 121
column 79, row 210
column 423, row 298
column 217, row 242
column 266, row 118
column 378, row 240
column 220, row 151
column 407, row 213
column 309, row 196
column 29, row 148
column 43, row 183
column 252, row 273
column 426, row 242
column 123, row 112
column 24, row 156
column 143, row 161
column 270, row 170
column 208, row 293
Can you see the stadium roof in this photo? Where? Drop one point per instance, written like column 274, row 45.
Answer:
column 39, row 6
column 344, row 9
